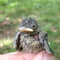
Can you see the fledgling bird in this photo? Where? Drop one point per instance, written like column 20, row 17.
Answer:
column 30, row 38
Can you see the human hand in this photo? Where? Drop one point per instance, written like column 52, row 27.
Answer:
column 27, row 56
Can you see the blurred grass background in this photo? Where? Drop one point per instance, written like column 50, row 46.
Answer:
column 47, row 13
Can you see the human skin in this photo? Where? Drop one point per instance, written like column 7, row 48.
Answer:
column 27, row 56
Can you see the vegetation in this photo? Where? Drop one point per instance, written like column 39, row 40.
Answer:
column 47, row 13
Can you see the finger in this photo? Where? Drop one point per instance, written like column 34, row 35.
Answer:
column 11, row 57
column 29, row 56
column 39, row 56
column 44, row 56
column 48, row 56
column 17, row 56
column 16, row 53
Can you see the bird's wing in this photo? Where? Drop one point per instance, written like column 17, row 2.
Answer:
column 17, row 44
column 43, row 36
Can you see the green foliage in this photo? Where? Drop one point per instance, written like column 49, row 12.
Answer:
column 6, row 46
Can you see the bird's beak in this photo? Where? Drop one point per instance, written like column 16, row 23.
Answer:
column 23, row 29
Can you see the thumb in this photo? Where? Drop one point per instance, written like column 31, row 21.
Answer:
column 44, row 56
column 48, row 56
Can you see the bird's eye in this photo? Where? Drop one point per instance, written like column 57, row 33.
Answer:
column 34, row 26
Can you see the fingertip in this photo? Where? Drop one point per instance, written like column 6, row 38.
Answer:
column 44, row 56
column 48, row 56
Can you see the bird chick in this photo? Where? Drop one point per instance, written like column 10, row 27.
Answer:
column 30, row 38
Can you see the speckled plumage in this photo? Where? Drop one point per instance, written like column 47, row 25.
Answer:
column 29, row 44
column 29, row 41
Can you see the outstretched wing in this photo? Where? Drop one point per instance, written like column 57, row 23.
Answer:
column 43, row 36
column 17, row 44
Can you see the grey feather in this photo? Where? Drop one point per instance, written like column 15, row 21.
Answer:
column 17, row 44
column 44, row 41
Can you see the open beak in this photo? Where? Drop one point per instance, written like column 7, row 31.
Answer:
column 23, row 29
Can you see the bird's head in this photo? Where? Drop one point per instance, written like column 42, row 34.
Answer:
column 29, row 25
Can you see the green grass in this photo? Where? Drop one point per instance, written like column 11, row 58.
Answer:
column 46, row 11
column 6, row 46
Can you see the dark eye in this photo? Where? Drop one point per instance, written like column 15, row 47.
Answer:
column 33, row 26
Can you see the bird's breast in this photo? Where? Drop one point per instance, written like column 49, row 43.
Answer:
column 29, row 44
